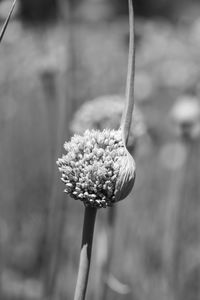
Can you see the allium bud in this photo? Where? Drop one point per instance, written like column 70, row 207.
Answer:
column 97, row 169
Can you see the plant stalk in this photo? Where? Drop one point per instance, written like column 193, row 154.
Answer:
column 85, row 255
column 128, row 109
column 106, row 268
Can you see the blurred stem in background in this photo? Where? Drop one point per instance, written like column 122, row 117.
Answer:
column 172, row 216
column 55, row 109
column 188, row 226
column 184, row 203
column 2, row 32
column 48, row 78
column 59, row 94
column 68, row 14
column 186, row 114
column 57, row 202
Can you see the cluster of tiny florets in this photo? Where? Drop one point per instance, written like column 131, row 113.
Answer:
column 91, row 166
column 105, row 112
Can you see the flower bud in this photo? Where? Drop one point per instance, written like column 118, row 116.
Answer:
column 126, row 177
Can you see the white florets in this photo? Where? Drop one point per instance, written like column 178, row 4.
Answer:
column 91, row 166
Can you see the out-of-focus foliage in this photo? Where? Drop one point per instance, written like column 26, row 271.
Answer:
column 165, row 55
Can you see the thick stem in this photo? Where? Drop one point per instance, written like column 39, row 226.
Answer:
column 128, row 109
column 85, row 255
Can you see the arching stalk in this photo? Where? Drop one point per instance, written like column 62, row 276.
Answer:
column 125, row 126
column 128, row 109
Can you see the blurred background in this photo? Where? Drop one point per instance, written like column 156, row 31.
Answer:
column 55, row 56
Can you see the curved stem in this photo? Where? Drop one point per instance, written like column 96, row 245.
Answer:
column 85, row 255
column 128, row 109
column 7, row 21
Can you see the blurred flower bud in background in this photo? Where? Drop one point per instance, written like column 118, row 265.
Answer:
column 186, row 115
column 105, row 112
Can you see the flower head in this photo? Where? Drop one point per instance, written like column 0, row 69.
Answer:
column 97, row 169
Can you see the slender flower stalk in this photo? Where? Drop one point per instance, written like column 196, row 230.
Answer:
column 7, row 21
column 98, row 170
column 128, row 109
column 106, row 265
